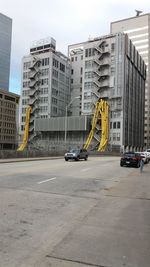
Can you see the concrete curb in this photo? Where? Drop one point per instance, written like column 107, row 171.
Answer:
column 27, row 159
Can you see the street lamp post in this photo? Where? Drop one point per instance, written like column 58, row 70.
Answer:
column 77, row 97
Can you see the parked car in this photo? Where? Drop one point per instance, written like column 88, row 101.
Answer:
column 76, row 154
column 144, row 156
column 130, row 159
column 148, row 154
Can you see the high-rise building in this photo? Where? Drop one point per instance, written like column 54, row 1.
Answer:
column 5, row 50
column 138, row 30
column 110, row 68
column 45, row 83
column 9, row 107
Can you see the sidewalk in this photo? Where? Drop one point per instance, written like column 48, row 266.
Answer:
column 116, row 232
column 28, row 159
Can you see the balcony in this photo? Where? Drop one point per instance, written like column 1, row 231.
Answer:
column 105, row 72
column 32, row 92
column 97, row 61
column 97, row 83
column 35, row 109
column 95, row 94
column 97, row 48
column 105, row 61
column 98, row 73
column 104, row 83
column 32, row 84
column 35, row 63
column 32, row 101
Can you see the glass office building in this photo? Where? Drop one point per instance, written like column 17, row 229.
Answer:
column 5, row 50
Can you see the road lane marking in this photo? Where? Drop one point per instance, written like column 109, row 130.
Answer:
column 84, row 170
column 44, row 181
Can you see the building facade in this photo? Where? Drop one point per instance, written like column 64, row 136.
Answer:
column 45, row 83
column 9, row 109
column 138, row 30
column 109, row 67
column 5, row 50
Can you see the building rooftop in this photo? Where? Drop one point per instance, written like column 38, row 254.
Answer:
column 41, row 45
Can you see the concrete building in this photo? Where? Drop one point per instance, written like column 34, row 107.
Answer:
column 9, row 107
column 110, row 67
column 45, row 83
column 138, row 30
column 5, row 50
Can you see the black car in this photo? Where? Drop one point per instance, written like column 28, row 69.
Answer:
column 130, row 159
column 76, row 154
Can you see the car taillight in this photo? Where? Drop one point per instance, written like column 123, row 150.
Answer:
column 134, row 158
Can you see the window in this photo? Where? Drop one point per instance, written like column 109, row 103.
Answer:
column 43, row 99
column 114, row 136
column 86, row 52
column 25, row 75
column 72, row 71
column 45, row 61
column 72, row 59
column 26, row 65
column 80, row 79
column 43, row 109
column 88, row 85
column 54, row 82
column 44, row 72
column 54, row 91
column 76, row 58
column 44, row 81
column 114, row 125
column 71, row 80
column 118, row 124
column 87, row 105
column 87, row 95
column 54, row 109
column 55, row 73
column 118, row 136
column 88, row 74
column 112, row 47
column 89, row 52
column 62, row 67
column 55, row 63
column 81, row 70
column 54, row 100
column 81, row 57
column 88, row 64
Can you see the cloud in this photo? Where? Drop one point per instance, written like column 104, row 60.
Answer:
column 68, row 21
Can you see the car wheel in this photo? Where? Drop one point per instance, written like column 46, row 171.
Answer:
column 121, row 165
column 86, row 158
column 66, row 159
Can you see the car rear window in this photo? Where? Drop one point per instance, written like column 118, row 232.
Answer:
column 74, row 151
column 130, row 155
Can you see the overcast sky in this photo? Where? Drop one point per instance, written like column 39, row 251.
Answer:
column 67, row 21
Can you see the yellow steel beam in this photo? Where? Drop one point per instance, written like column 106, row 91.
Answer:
column 102, row 112
column 26, row 130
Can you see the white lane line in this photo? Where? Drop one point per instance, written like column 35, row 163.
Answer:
column 84, row 170
column 44, row 181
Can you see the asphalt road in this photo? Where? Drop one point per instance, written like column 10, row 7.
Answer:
column 56, row 213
